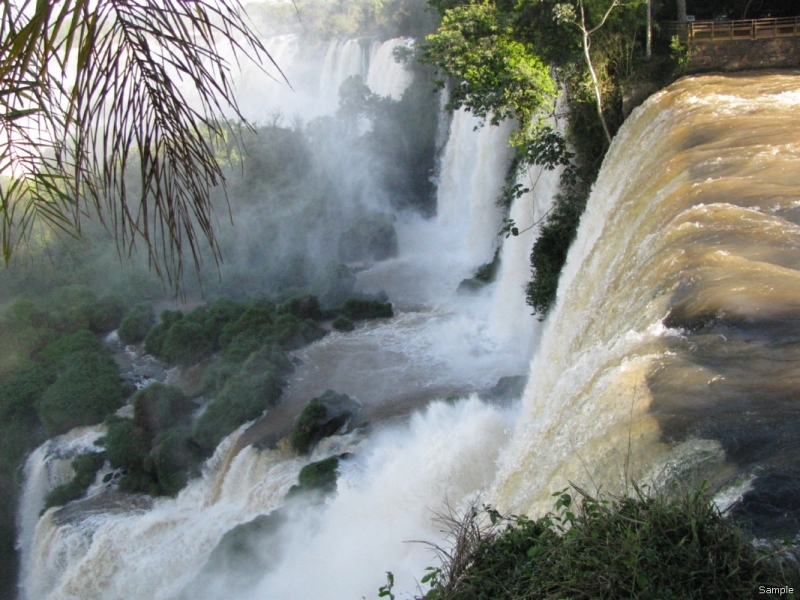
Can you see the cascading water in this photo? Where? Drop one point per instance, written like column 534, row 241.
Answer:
column 672, row 348
column 439, row 343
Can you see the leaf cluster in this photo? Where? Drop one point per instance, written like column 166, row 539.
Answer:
column 629, row 547
column 93, row 89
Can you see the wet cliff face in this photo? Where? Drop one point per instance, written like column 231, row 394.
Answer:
column 674, row 346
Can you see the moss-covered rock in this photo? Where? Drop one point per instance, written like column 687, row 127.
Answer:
column 303, row 307
column 486, row 273
column 357, row 309
column 343, row 324
column 321, row 418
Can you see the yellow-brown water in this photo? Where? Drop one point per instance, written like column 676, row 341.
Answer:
column 675, row 345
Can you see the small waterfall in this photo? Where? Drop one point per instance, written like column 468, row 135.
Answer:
column 45, row 468
column 473, row 171
column 386, row 76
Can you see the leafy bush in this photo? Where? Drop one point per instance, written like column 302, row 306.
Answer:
column 185, row 343
column 244, row 398
column 20, row 392
column 86, row 389
column 254, row 320
column 356, row 309
column 85, row 467
column 638, row 547
column 173, row 459
column 134, row 326
column 550, row 250
column 126, row 446
column 159, row 407
column 303, row 307
column 154, row 341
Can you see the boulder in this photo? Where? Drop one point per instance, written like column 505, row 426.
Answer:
column 321, row 418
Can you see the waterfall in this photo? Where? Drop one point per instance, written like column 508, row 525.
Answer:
column 670, row 351
column 386, row 76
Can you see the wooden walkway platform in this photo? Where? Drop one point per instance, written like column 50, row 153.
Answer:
column 692, row 32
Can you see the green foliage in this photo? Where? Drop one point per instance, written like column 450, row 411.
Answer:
column 186, row 343
column 126, row 445
column 320, row 475
column 304, row 307
column 85, row 467
column 243, row 398
column 498, row 74
column 134, row 326
column 154, row 341
column 87, row 386
column 254, row 321
column 551, row 247
column 322, row 417
column 20, row 392
column 173, row 459
column 357, row 309
column 637, row 547
column 159, row 407
column 680, row 54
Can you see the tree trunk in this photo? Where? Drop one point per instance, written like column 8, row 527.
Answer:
column 682, row 11
column 596, row 83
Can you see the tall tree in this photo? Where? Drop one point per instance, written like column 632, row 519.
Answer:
column 89, row 89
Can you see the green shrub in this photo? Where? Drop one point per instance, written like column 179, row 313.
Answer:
column 62, row 351
column 86, row 389
column 253, row 321
column 85, row 467
column 550, row 250
column 357, row 309
column 126, row 447
column 636, row 547
column 173, row 459
column 154, row 341
column 134, row 326
column 26, row 312
column 185, row 343
column 106, row 313
column 303, row 307
column 244, row 398
column 20, row 392
column 220, row 313
column 159, row 407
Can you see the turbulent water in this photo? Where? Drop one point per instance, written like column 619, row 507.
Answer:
column 671, row 352
column 673, row 349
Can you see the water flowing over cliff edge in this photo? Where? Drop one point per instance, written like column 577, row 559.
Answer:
column 672, row 351
column 673, row 346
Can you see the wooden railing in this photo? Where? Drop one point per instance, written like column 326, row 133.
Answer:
column 718, row 30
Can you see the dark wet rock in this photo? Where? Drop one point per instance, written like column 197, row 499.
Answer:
column 506, row 389
column 372, row 238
